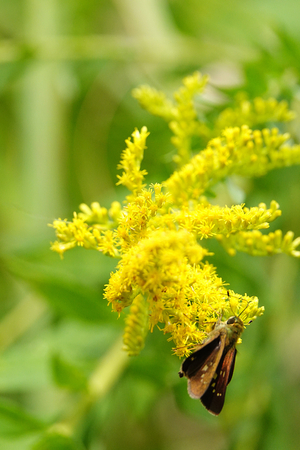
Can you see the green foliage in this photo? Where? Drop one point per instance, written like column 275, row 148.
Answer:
column 67, row 375
column 67, row 70
column 80, row 300
column 56, row 441
column 15, row 421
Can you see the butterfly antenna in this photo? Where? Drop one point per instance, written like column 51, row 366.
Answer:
column 249, row 301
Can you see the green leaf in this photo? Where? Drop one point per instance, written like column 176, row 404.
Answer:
column 15, row 421
column 65, row 293
column 56, row 441
column 67, row 375
column 82, row 343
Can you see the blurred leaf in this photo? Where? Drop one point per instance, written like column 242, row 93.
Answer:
column 65, row 294
column 56, row 441
column 24, row 442
column 32, row 359
column 66, row 375
column 140, row 394
column 156, row 362
column 77, row 341
column 185, row 403
column 15, row 421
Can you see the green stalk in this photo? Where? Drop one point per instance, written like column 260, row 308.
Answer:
column 104, row 377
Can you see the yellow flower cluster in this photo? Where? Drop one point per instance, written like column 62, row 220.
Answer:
column 97, row 214
column 239, row 151
column 132, row 176
column 137, row 326
column 182, row 292
column 257, row 244
column 186, row 121
column 139, row 215
column 258, row 112
column 163, row 275
column 181, row 114
column 99, row 236
column 207, row 221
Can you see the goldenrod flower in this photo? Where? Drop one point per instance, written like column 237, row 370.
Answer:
column 137, row 326
column 253, row 113
column 238, row 151
column 181, row 114
column 159, row 233
column 131, row 159
column 257, row 244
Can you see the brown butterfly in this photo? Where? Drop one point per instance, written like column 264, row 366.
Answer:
column 210, row 368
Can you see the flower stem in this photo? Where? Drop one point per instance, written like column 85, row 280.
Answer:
column 107, row 372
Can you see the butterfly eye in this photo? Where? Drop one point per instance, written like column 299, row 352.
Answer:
column 231, row 320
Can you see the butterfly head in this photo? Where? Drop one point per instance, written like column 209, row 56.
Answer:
column 234, row 326
column 235, row 321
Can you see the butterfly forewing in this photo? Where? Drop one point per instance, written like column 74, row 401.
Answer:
column 214, row 397
column 210, row 368
column 201, row 366
column 194, row 362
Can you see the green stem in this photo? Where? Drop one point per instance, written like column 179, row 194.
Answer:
column 107, row 372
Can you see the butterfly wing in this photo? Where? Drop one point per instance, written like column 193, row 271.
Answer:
column 214, row 397
column 232, row 368
column 201, row 366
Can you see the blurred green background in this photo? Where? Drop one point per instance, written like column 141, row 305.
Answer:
column 67, row 71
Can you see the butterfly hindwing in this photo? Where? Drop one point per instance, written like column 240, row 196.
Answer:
column 214, row 397
column 232, row 367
